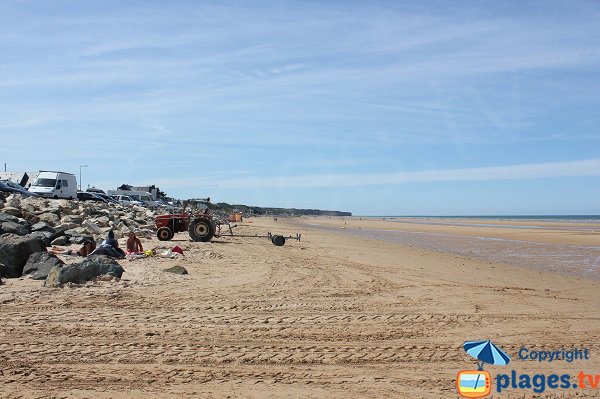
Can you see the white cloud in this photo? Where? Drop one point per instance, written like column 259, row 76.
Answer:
column 590, row 167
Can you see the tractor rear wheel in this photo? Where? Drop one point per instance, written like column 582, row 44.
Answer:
column 202, row 229
column 164, row 234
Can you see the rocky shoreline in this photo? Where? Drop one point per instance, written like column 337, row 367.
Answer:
column 29, row 225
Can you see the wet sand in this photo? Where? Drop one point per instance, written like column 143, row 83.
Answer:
column 335, row 315
column 566, row 248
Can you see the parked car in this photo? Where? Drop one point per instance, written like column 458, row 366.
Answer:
column 95, row 190
column 106, row 197
column 13, row 188
column 83, row 196
column 163, row 204
column 144, row 197
column 126, row 200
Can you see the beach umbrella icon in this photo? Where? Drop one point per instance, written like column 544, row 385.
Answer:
column 486, row 352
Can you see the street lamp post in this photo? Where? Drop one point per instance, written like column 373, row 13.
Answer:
column 81, row 166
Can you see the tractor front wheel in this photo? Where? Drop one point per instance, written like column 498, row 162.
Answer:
column 164, row 234
column 202, row 229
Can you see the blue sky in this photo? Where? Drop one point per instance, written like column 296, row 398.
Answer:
column 378, row 108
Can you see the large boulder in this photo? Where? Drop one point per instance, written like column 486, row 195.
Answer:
column 14, row 201
column 51, row 218
column 14, row 228
column 80, row 239
column 45, row 236
column 92, row 227
column 87, row 270
column 30, row 217
column 41, row 226
column 15, row 250
column 61, row 228
column 61, row 241
column 40, row 263
column 75, row 219
column 12, row 211
column 5, row 271
column 5, row 217
column 77, row 232
column 102, row 221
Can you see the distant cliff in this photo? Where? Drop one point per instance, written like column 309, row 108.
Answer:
column 257, row 210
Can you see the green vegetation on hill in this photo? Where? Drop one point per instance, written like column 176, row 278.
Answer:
column 257, row 210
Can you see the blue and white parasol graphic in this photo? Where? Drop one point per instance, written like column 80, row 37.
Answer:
column 486, row 352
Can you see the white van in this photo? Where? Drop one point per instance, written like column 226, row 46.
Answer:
column 55, row 185
column 146, row 198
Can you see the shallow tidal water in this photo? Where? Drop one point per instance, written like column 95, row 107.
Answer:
column 575, row 260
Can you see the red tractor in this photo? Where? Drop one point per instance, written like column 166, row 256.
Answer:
column 201, row 227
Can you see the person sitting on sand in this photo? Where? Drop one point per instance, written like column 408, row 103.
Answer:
column 110, row 240
column 85, row 250
column 109, row 247
column 134, row 245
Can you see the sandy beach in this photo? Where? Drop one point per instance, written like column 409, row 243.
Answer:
column 335, row 315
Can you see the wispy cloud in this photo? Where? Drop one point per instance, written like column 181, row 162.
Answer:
column 580, row 168
column 301, row 94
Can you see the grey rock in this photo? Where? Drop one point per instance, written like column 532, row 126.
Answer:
column 61, row 228
column 15, row 250
column 45, row 236
column 102, row 221
column 74, row 219
column 15, row 228
column 42, row 226
column 12, row 211
column 92, row 227
column 84, row 271
column 80, row 239
column 176, row 270
column 5, row 271
column 60, row 241
column 30, row 217
column 29, row 207
column 88, row 211
column 78, row 231
column 40, row 263
column 51, row 218
column 5, row 217
column 13, row 201
column 49, row 209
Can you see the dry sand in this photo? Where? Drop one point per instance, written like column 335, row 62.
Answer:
column 330, row 316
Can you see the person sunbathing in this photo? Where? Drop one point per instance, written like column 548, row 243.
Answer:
column 85, row 250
